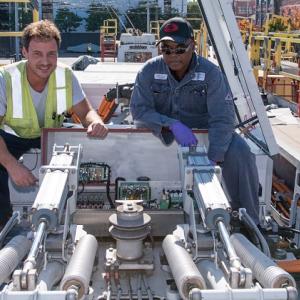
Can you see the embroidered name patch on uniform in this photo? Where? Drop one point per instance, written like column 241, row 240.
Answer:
column 160, row 76
column 199, row 76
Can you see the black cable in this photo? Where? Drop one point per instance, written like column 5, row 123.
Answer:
column 117, row 184
column 251, row 234
column 107, row 181
column 36, row 161
column 112, row 205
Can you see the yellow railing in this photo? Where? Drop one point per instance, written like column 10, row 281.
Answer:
column 110, row 27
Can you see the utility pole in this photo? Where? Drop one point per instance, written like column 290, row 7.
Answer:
column 257, row 12
column 261, row 14
column 148, row 16
column 17, row 45
column 40, row 10
column 277, row 4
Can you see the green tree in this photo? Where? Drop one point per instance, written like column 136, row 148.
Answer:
column 4, row 17
column 66, row 20
column 97, row 13
column 193, row 14
column 277, row 25
column 25, row 18
column 7, row 16
column 138, row 15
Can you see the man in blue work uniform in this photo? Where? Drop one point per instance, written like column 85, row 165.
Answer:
column 179, row 91
column 36, row 93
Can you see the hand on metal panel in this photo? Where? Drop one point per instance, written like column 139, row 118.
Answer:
column 97, row 129
column 183, row 135
column 21, row 176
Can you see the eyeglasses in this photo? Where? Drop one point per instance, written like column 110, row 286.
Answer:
column 179, row 50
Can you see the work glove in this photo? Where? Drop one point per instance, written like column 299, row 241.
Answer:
column 183, row 135
column 213, row 163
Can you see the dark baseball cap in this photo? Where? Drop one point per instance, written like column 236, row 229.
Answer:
column 177, row 30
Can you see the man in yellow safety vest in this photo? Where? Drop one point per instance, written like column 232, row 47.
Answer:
column 36, row 93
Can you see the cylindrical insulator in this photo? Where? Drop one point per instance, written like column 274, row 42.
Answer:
column 12, row 254
column 129, row 228
column 214, row 276
column 80, row 267
column 129, row 249
column 264, row 269
column 50, row 276
column 184, row 270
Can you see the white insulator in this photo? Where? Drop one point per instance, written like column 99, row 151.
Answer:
column 264, row 269
column 80, row 267
column 12, row 254
column 184, row 270
column 50, row 276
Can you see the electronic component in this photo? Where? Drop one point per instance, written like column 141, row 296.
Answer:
column 93, row 173
column 170, row 199
column 134, row 190
column 91, row 200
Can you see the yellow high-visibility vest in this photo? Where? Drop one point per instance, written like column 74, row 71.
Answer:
column 21, row 115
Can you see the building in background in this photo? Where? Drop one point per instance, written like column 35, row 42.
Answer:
column 47, row 9
column 168, row 5
column 244, row 8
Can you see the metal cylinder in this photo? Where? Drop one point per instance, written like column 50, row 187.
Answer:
column 233, row 258
column 184, row 270
column 289, row 293
column 12, row 254
column 214, row 276
column 30, row 261
column 50, row 276
column 80, row 267
column 264, row 269
column 129, row 249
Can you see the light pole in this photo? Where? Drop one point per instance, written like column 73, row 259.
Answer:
column 148, row 16
column 17, row 45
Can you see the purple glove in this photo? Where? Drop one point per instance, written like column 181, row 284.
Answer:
column 213, row 163
column 183, row 135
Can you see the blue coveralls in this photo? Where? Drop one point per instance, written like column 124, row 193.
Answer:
column 202, row 99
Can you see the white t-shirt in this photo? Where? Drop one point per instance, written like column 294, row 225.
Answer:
column 39, row 99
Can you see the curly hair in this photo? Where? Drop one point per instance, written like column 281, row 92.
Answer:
column 42, row 30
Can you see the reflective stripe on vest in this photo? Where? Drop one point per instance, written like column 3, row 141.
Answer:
column 16, row 92
column 61, row 91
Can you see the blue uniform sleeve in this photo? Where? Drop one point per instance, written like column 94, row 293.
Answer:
column 142, row 103
column 221, row 118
